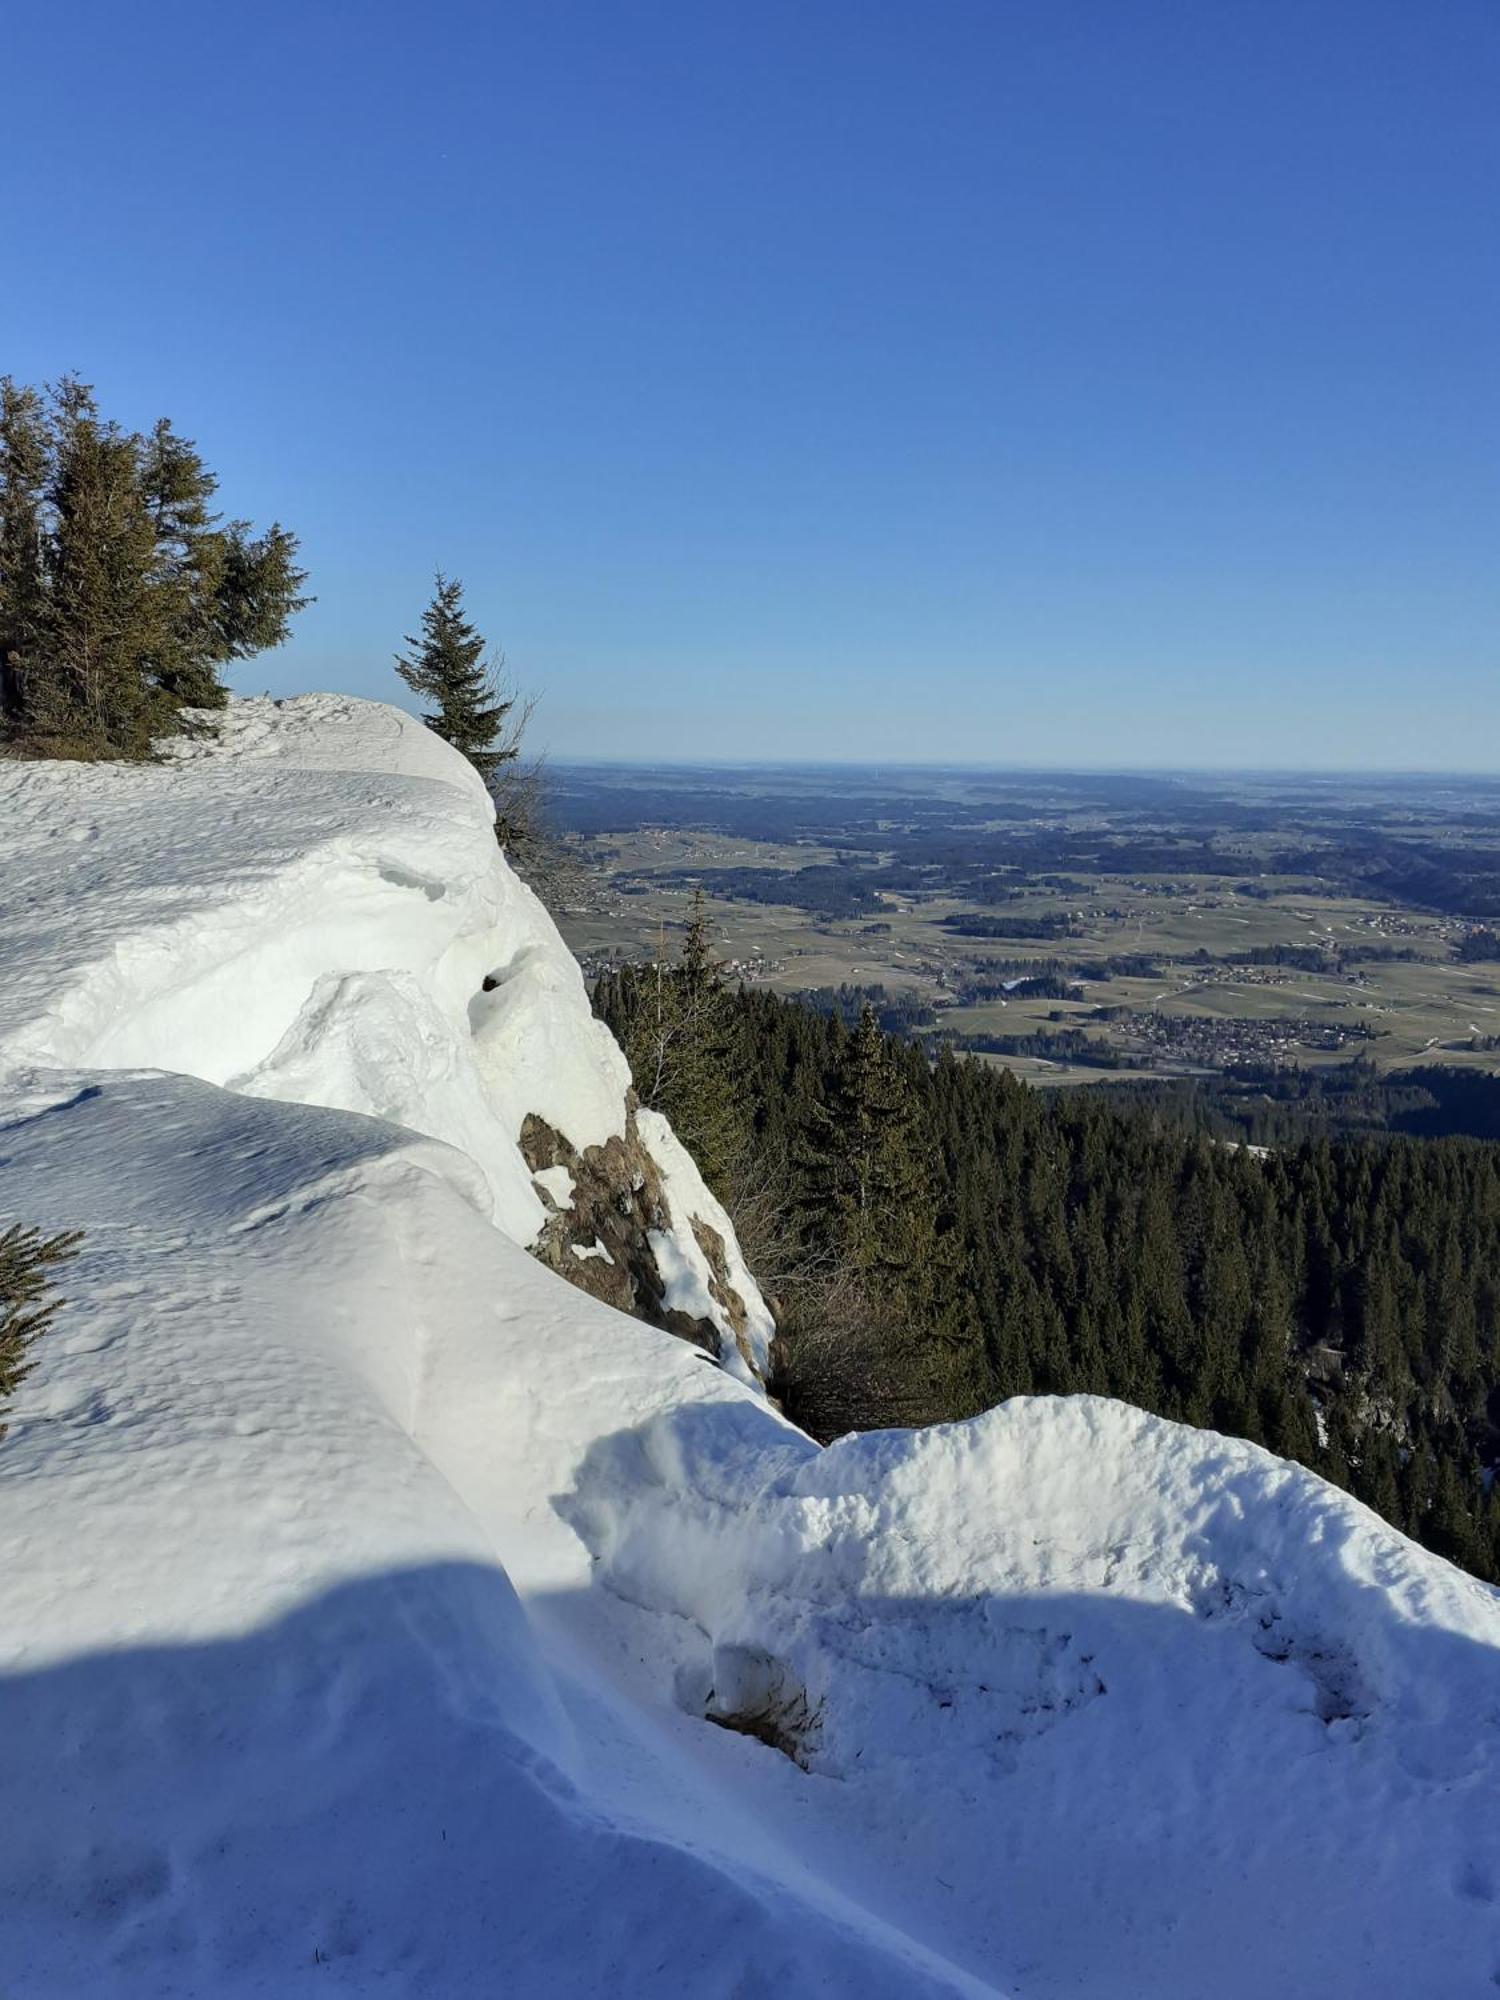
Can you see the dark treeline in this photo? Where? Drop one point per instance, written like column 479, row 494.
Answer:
column 1032, row 986
column 904, row 1013
column 824, row 889
column 1272, row 1105
column 949, row 1238
column 1461, row 880
column 1052, row 924
column 991, row 978
column 973, row 854
column 1054, row 1045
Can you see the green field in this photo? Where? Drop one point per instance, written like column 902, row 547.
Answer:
column 1416, row 1011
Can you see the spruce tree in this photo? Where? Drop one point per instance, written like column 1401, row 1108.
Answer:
column 684, row 1046
column 121, row 594
column 450, row 666
column 221, row 593
column 101, row 628
column 187, row 566
column 707, row 1106
column 28, row 1305
column 898, row 1281
column 24, row 470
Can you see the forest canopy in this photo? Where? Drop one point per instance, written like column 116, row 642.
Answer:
column 947, row 1237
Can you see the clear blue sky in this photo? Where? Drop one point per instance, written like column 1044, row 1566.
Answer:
column 1104, row 381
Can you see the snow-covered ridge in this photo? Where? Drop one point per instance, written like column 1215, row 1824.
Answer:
column 310, row 906
column 368, row 1595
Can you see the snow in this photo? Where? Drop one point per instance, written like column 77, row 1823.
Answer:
column 310, row 906
column 680, row 1258
column 592, row 1252
column 558, row 1183
column 1167, row 1714
column 364, row 1587
column 305, row 908
column 276, row 1717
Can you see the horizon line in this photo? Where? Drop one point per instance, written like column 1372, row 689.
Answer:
column 1020, row 767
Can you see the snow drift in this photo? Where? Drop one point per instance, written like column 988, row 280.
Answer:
column 311, row 906
column 369, row 1597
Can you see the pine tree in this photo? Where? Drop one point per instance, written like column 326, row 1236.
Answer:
column 898, row 1277
column 100, row 626
column 221, row 593
column 685, row 1049
column 707, row 1094
column 121, row 596
column 24, row 466
column 883, row 1199
column 187, row 567
column 27, row 1305
column 450, row 667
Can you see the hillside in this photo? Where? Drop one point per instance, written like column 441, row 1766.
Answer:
column 367, row 1592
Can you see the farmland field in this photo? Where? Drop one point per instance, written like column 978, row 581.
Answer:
column 1072, row 928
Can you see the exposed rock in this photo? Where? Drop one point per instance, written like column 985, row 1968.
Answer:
column 1324, row 1365
column 601, row 1241
column 711, row 1243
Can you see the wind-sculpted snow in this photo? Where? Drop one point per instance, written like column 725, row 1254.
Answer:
column 309, row 904
column 275, row 1719
column 381, row 1615
column 1163, row 1713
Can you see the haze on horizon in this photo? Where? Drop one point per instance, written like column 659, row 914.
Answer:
column 975, row 768
column 1078, row 386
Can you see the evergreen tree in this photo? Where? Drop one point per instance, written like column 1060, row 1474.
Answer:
column 187, row 567
column 684, row 1044
column 222, row 593
column 706, row 1103
column 101, row 627
column 870, row 1199
column 25, row 460
column 450, row 666
column 121, row 594
column 27, row 1305
column 868, row 1191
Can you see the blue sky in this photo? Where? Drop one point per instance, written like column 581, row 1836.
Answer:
column 1080, row 381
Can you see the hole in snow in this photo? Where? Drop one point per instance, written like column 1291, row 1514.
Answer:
column 755, row 1695
column 407, row 878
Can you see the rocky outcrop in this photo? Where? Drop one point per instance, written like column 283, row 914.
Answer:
column 610, row 1216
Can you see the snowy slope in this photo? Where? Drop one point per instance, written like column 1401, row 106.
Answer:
column 310, row 906
column 365, row 1589
column 275, row 1720
column 1159, row 1712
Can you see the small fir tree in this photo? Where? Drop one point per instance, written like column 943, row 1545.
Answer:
column 90, row 678
column 451, row 667
column 27, row 1302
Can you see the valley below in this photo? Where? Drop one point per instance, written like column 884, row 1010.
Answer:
column 1071, row 929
